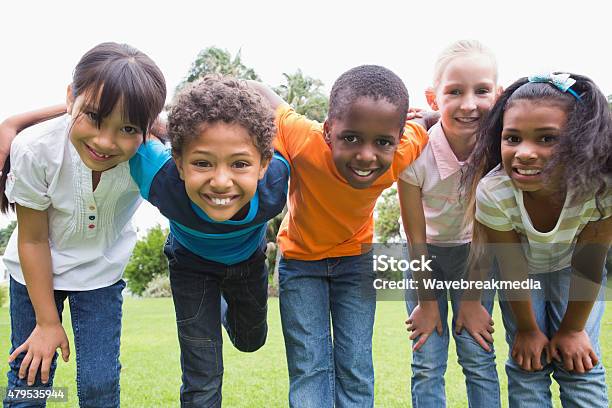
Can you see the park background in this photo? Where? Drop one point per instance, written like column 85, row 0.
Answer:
column 42, row 41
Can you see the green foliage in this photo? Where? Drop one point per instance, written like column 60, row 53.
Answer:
column 304, row 94
column 5, row 234
column 147, row 261
column 213, row 60
column 388, row 211
column 3, row 294
column 158, row 287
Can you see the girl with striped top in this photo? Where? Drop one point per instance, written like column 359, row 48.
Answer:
column 540, row 185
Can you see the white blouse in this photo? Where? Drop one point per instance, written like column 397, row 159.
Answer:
column 91, row 236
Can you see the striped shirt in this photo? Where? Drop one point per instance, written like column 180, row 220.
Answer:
column 499, row 206
column 437, row 172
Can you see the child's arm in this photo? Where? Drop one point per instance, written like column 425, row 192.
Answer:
column 15, row 124
column 35, row 259
column 273, row 99
column 529, row 341
column 425, row 318
column 571, row 344
column 471, row 314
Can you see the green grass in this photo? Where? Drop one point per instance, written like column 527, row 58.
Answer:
column 151, row 373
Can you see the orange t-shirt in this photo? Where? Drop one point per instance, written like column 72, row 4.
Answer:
column 327, row 217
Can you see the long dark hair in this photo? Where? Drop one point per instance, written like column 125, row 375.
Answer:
column 112, row 73
column 584, row 153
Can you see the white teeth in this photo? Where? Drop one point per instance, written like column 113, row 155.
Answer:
column 221, row 201
column 526, row 172
column 363, row 173
column 100, row 155
column 467, row 120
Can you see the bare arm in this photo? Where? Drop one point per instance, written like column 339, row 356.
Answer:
column 571, row 343
column 15, row 124
column 529, row 341
column 273, row 99
column 35, row 259
column 425, row 318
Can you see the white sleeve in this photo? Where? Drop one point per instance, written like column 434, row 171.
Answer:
column 26, row 183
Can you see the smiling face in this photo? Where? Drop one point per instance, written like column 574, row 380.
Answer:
column 363, row 141
column 103, row 148
column 529, row 135
column 465, row 93
column 221, row 167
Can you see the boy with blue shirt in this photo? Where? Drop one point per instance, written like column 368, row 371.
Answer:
column 220, row 190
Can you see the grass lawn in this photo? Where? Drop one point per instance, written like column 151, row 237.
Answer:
column 151, row 374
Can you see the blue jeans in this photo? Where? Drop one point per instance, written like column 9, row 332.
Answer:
column 318, row 298
column 429, row 363
column 96, row 323
column 532, row 389
column 207, row 294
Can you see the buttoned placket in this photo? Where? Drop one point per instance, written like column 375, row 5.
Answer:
column 91, row 208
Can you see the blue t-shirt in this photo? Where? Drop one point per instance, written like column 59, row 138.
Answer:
column 228, row 242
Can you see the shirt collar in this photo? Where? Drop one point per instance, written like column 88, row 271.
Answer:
column 446, row 161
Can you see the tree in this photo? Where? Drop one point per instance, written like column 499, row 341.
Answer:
column 5, row 234
column 147, row 261
column 388, row 211
column 304, row 94
column 213, row 60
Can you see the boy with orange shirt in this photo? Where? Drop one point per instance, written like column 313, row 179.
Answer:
column 339, row 169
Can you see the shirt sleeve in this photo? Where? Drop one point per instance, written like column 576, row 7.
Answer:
column 489, row 211
column 605, row 204
column 26, row 183
column 410, row 176
column 292, row 131
column 411, row 145
column 146, row 163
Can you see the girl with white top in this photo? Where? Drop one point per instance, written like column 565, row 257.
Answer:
column 70, row 183
column 541, row 180
column 464, row 89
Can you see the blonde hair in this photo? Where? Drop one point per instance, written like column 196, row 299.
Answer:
column 461, row 48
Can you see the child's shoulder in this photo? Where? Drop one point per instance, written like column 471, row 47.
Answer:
column 277, row 174
column 496, row 184
column 45, row 140
column 287, row 119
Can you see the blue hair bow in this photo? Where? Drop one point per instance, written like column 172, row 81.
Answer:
column 563, row 82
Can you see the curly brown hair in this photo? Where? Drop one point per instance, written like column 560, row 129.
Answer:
column 220, row 99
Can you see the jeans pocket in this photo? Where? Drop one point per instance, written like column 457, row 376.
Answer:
column 188, row 295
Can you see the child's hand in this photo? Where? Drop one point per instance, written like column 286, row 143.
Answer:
column 40, row 347
column 424, row 319
column 527, row 349
column 573, row 348
column 414, row 113
column 473, row 317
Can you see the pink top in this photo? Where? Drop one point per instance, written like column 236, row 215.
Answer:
column 438, row 173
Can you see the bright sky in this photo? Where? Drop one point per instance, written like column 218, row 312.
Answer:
column 42, row 41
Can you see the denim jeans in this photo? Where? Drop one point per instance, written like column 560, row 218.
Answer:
column 430, row 361
column 327, row 313
column 96, row 323
column 532, row 389
column 207, row 294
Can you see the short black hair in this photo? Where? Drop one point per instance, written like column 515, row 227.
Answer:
column 371, row 81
